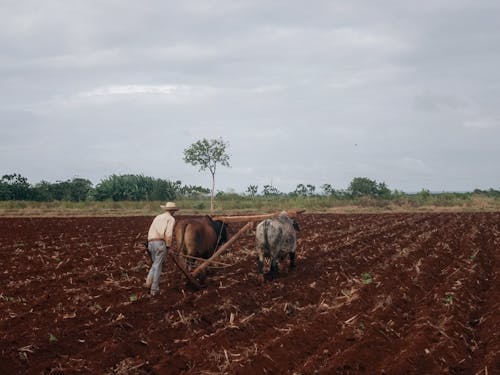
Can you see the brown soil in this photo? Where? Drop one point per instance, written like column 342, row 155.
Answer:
column 371, row 294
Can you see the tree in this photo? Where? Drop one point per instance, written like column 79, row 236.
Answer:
column 192, row 190
column 310, row 189
column 269, row 190
column 80, row 189
column 42, row 192
column 14, row 187
column 383, row 191
column 76, row 190
column 300, row 190
column 364, row 186
column 327, row 189
column 135, row 188
column 207, row 154
column 252, row 190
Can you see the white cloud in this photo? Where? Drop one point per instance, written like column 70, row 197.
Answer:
column 265, row 89
column 151, row 95
column 486, row 123
column 441, row 101
column 413, row 164
column 350, row 78
column 170, row 90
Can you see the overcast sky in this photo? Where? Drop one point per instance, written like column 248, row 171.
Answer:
column 312, row 92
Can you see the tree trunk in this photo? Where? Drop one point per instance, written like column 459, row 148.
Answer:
column 212, row 196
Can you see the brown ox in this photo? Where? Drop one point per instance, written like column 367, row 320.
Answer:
column 199, row 237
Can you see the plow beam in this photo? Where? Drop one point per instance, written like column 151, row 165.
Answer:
column 240, row 218
column 191, row 279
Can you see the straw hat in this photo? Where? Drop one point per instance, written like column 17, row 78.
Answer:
column 169, row 206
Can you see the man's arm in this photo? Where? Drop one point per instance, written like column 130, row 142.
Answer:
column 169, row 230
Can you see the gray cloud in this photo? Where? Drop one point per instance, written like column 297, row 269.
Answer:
column 305, row 93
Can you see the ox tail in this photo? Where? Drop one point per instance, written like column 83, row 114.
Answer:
column 266, row 238
column 183, row 248
column 182, row 244
column 218, row 233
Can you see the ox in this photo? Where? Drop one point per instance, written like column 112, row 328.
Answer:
column 199, row 237
column 275, row 238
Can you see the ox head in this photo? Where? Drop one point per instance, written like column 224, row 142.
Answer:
column 221, row 229
column 284, row 216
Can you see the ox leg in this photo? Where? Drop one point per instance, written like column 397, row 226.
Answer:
column 274, row 268
column 189, row 263
column 292, row 260
column 260, row 266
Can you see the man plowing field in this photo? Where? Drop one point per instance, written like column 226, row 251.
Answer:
column 159, row 240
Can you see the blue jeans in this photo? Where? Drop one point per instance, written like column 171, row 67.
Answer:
column 157, row 251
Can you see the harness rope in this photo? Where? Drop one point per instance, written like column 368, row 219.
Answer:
column 221, row 265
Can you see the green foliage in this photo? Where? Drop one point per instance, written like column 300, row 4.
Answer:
column 141, row 194
column 240, row 203
column 366, row 278
column 327, row 189
column 207, row 154
column 227, row 195
column 15, row 187
column 75, row 190
column 362, row 186
column 451, row 199
column 383, row 191
column 448, row 299
column 200, row 206
column 136, row 188
column 192, row 191
column 300, row 191
column 252, row 190
column 269, row 190
column 310, row 189
column 42, row 192
column 52, row 338
column 304, row 190
column 488, row 193
column 423, row 196
column 426, row 198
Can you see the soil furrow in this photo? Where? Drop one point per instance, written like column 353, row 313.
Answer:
column 372, row 293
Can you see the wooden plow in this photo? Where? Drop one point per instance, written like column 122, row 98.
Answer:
column 250, row 219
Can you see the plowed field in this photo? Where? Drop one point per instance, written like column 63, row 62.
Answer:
column 371, row 294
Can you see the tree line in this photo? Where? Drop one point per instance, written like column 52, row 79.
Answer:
column 130, row 187
column 359, row 186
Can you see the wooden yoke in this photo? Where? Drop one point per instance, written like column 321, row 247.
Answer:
column 221, row 249
column 240, row 218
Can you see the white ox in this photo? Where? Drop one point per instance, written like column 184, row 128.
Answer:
column 275, row 239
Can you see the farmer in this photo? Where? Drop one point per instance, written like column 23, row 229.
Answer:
column 159, row 240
